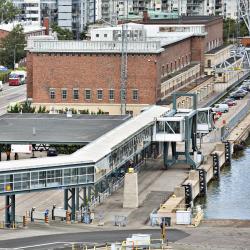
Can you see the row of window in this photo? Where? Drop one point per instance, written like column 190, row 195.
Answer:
column 177, row 64
column 88, row 93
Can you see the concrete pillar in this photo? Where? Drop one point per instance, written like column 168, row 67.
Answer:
column 130, row 195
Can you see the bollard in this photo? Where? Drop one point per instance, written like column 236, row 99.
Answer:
column 25, row 220
column 67, row 217
column 46, row 219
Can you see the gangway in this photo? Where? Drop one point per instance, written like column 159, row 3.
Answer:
column 182, row 125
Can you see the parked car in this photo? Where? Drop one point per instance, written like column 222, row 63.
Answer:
column 52, row 152
column 237, row 95
column 241, row 89
column 230, row 102
column 220, row 107
column 246, row 88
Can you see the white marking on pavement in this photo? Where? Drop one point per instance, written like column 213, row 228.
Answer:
column 47, row 244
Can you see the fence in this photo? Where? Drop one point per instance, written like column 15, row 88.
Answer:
column 225, row 131
column 104, row 195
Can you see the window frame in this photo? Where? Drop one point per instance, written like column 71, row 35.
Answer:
column 52, row 90
column 137, row 94
column 111, row 99
column 75, row 89
column 97, row 94
column 62, row 96
column 85, row 94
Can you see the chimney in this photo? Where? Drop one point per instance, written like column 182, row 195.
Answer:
column 46, row 25
column 145, row 16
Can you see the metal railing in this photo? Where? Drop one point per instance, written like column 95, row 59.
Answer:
column 91, row 46
column 225, row 130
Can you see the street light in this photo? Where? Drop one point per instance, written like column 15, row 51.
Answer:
column 14, row 59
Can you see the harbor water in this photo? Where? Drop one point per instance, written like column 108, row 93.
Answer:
column 228, row 198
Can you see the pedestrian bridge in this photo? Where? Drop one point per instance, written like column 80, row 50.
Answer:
column 86, row 166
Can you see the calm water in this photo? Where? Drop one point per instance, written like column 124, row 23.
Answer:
column 229, row 198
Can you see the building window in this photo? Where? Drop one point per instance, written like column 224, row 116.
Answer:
column 209, row 63
column 123, row 94
column 111, row 94
column 52, row 94
column 87, row 94
column 135, row 94
column 64, row 94
column 105, row 35
column 75, row 94
column 96, row 35
column 99, row 94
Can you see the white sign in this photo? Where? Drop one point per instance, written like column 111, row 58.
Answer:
column 17, row 148
column 38, row 215
column 59, row 212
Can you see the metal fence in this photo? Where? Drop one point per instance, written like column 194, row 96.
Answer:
column 225, row 130
column 105, row 194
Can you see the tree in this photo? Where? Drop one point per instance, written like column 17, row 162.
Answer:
column 230, row 29
column 7, row 11
column 12, row 47
column 62, row 34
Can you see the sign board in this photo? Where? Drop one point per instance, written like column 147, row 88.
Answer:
column 38, row 215
column 17, row 148
column 59, row 212
column 183, row 217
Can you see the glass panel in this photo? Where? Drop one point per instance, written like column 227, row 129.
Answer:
column 90, row 170
column 90, row 178
column 42, row 179
column 67, row 180
column 82, row 171
column 82, row 179
column 67, row 172
column 1, row 178
column 58, row 177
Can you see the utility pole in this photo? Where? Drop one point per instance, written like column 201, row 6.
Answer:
column 124, row 65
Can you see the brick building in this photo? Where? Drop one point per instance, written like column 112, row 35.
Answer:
column 86, row 74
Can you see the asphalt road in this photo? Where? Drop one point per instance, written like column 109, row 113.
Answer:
column 88, row 238
column 11, row 94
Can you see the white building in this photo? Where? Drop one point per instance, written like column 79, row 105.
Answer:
column 30, row 28
column 225, row 8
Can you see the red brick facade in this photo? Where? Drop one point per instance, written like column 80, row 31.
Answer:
column 59, row 71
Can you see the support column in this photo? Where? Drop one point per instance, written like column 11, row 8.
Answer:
column 66, row 198
column 73, row 204
column 89, row 194
column 13, row 210
column 85, row 196
column 77, row 198
column 174, row 155
column 7, row 210
column 165, row 153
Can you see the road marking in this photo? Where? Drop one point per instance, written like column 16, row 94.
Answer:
column 46, row 244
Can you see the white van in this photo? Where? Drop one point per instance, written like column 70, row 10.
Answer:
column 1, row 86
column 221, row 107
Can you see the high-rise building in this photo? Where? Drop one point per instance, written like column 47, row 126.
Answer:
column 70, row 14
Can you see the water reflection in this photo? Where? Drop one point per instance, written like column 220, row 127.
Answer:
column 228, row 198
